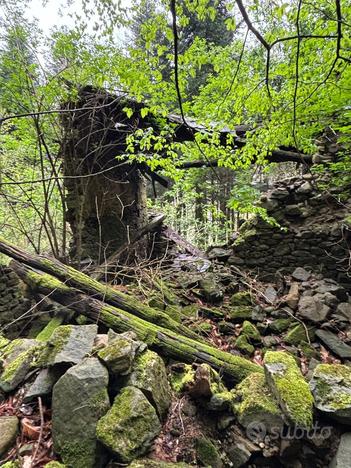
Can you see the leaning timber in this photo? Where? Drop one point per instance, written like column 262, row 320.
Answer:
column 72, row 277
column 167, row 342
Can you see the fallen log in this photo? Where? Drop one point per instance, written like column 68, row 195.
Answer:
column 167, row 342
column 72, row 277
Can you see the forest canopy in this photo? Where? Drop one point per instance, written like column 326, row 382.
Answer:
column 280, row 68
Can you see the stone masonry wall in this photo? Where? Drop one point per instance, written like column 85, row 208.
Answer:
column 13, row 302
column 315, row 232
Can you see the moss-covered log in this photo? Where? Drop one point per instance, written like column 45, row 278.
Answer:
column 72, row 277
column 163, row 340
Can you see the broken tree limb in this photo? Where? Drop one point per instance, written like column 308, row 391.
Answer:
column 76, row 279
column 167, row 342
column 275, row 156
column 101, row 270
column 172, row 235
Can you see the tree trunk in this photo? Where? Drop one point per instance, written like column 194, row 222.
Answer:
column 165, row 341
column 106, row 196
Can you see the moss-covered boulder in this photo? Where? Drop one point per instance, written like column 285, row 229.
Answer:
column 16, row 360
column 8, row 432
column 120, row 353
column 242, row 344
column 209, row 289
column 279, row 325
column 242, row 298
column 253, row 402
column 298, row 333
column 331, row 389
column 238, row 314
column 250, row 331
column 207, row 453
column 69, row 344
column 149, row 375
column 130, row 426
column 289, row 387
column 79, row 400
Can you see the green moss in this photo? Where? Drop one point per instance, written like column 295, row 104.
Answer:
column 11, row 346
column 77, row 453
column 335, row 370
column 191, row 311
column 290, row 387
column 246, row 232
column 242, row 298
column 180, row 381
column 333, row 382
column 308, row 350
column 251, row 332
column 54, row 464
column 174, row 312
column 129, row 427
column 12, row 464
column 46, row 333
column 279, row 325
column 239, row 313
column 12, row 369
column 16, row 370
column 207, row 453
column 82, row 320
column 99, row 403
column 254, row 400
column 54, row 345
column 204, row 328
column 156, row 302
column 347, row 220
column 46, row 281
column 297, row 334
column 242, row 344
column 4, row 342
column 115, row 349
column 145, row 331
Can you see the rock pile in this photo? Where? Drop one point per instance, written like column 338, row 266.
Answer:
column 109, row 394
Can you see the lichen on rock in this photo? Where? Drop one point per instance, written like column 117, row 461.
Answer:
column 79, row 400
column 120, row 353
column 68, row 344
column 331, row 389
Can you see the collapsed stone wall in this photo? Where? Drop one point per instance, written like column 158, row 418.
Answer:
column 314, row 232
column 13, row 302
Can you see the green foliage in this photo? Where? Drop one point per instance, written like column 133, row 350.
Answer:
column 223, row 81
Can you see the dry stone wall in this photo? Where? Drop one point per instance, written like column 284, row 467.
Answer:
column 314, row 232
column 13, row 302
